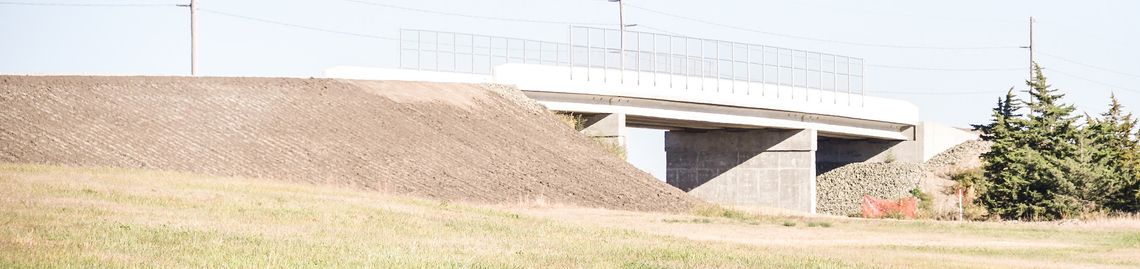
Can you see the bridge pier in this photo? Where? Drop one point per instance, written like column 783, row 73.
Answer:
column 772, row 168
column 606, row 127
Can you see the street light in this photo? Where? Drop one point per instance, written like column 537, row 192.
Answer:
column 621, row 29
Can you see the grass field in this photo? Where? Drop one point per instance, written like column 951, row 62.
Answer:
column 104, row 217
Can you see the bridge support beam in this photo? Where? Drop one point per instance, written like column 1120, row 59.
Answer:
column 769, row 168
column 608, row 128
column 836, row 152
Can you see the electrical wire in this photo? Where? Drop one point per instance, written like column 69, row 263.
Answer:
column 658, row 29
column 311, row 28
column 934, row 92
column 297, row 25
column 920, row 68
column 437, row 12
column 50, row 4
column 388, row 38
column 1054, row 70
column 1050, row 70
column 894, row 46
column 1087, row 65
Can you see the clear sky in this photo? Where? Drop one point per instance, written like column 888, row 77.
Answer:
column 958, row 56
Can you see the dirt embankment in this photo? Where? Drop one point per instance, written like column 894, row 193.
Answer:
column 467, row 142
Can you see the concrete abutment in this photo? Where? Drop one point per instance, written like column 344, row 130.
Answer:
column 773, row 168
column 609, row 128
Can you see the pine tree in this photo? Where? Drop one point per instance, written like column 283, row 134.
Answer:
column 1002, row 161
column 1044, row 165
column 1050, row 128
column 1116, row 148
column 1005, row 118
column 1031, row 164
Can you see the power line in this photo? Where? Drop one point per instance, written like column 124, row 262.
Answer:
column 1091, row 80
column 1088, row 65
column 1053, row 70
column 326, row 30
column 437, row 12
column 920, row 68
column 658, row 29
column 11, row 3
column 934, row 92
column 297, row 25
column 894, row 46
column 355, row 34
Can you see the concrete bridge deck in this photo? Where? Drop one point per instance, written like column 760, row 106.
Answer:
column 752, row 145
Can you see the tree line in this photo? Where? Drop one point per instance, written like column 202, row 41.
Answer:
column 1047, row 163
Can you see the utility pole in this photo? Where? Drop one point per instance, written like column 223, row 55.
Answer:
column 193, row 36
column 1032, row 60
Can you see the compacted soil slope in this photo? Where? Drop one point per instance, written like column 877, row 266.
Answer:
column 477, row 143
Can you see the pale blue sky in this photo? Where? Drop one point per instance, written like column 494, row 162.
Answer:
column 154, row 40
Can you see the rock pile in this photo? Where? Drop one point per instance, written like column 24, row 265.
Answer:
column 840, row 191
column 962, row 154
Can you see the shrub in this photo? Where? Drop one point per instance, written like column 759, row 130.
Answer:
column 925, row 203
column 572, row 120
column 615, row 148
column 716, row 211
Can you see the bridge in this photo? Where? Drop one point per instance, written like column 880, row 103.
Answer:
column 746, row 125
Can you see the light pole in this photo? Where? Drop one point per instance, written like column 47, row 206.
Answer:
column 621, row 33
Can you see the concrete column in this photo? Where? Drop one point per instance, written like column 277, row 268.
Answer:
column 605, row 127
column 750, row 168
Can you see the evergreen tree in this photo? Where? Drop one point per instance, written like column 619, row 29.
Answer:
column 1031, row 165
column 1116, row 148
column 1002, row 165
column 1044, row 165
column 1004, row 118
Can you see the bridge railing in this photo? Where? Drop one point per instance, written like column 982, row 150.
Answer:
column 650, row 59
column 476, row 54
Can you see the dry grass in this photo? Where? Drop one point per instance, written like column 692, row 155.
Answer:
column 888, row 243
column 100, row 217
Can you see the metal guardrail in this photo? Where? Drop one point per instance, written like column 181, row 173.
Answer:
column 678, row 62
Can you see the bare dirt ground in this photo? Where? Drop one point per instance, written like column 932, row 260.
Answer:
column 464, row 142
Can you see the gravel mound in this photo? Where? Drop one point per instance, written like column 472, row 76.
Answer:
column 840, row 191
column 962, row 154
column 465, row 142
